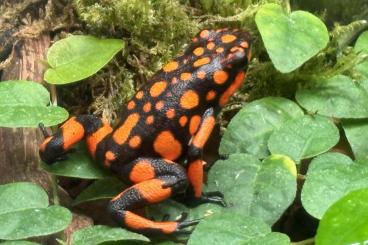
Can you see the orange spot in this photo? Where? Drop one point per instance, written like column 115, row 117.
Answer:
column 174, row 80
column 109, row 157
column 198, row 51
column 189, row 99
column 170, row 113
column 142, row 171
column 244, row 44
column 183, row 121
column 44, row 143
column 150, row 119
column 147, row 107
column 72, row 132
column 131, row 105
column 204, row 34
column 220, row 50
column 159, row 105
column 139, row 95
column 201, row 62
column 194, row 124
column 122, row 133
column 153, row 191
column 95, row 138
column 204, row 132
column 232, row 88
column 185, row 76
column 211, row 45
column 228, row 38
column 157, row 88
column 194, row 40
column 234, row 49
column 195, row 176
column 171, row 66
column 167, row 146
column 220, row 77
column 201, row 75
column 211, row 95
column 135, row 141
column 136, row 222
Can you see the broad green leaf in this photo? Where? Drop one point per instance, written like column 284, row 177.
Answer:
column 20, row 196
column 250, row 128
column 99, row 233
column 362, row 45
column 338, row 96
column 346, row 221
column 330, row 177
column 100, row 189
column 24, row 104
column 20, row 93
column 356, row 131
column 78, row 165
column 31, row 116
column 18, row 243
column 227, row 228
column 258, row 189
column 77, row 57
column 290, row 39
column 304, row 137
column 33, row 222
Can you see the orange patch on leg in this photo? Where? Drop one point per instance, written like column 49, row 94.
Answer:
column 136, row 222
column 153, row 191
column 194, row 124
column 72, row 131
column 44, row 143
column 167, row 146
column 204, row 132
column 109, row 156
column 195, row 176
column 96, row 137
column 183, row 121
column 142, row 171
column 189, row 99
column 211, row 95
column 135, row 141
column 122, row 133
column 232, row 88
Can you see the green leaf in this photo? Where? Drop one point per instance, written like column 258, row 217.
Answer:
column 20, row 93
column 100, row 189
column 346, row 221
column 250, row 128
column 362, row 45
column 18, row 243
column 78, row 57
column 31, row 116
column 20, row 196
column 290, row 39
column 33, row 222
column 78, row 165
column 304, row 137
column 330, row 177
column 356, row 131
column 98, row 234
column 24, row 104
column 227, row 228
column 338, row 97
column 258, row 189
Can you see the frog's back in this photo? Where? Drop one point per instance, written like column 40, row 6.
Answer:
column 163, row 116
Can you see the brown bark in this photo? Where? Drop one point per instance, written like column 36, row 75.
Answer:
column 19, row 158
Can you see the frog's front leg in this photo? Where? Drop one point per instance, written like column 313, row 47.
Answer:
column 195, row 163
column 154, row 180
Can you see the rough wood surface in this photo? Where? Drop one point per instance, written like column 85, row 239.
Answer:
column 19, row 147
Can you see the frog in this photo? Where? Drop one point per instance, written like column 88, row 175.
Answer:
column 157, row 144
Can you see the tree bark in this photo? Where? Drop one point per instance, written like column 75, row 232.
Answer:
column 19, row 160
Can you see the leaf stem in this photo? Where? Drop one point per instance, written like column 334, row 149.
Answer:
column 54, row 184
column 286, row 6
column 308, row 241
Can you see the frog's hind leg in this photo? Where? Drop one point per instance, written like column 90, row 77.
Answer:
column 154, row 180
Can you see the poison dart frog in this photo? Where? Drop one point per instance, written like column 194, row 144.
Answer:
column 157, row 144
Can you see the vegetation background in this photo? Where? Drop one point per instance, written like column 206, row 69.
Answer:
column 292, row 141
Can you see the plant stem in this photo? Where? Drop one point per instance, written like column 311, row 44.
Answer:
column 54, row 184
column 286, row 6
